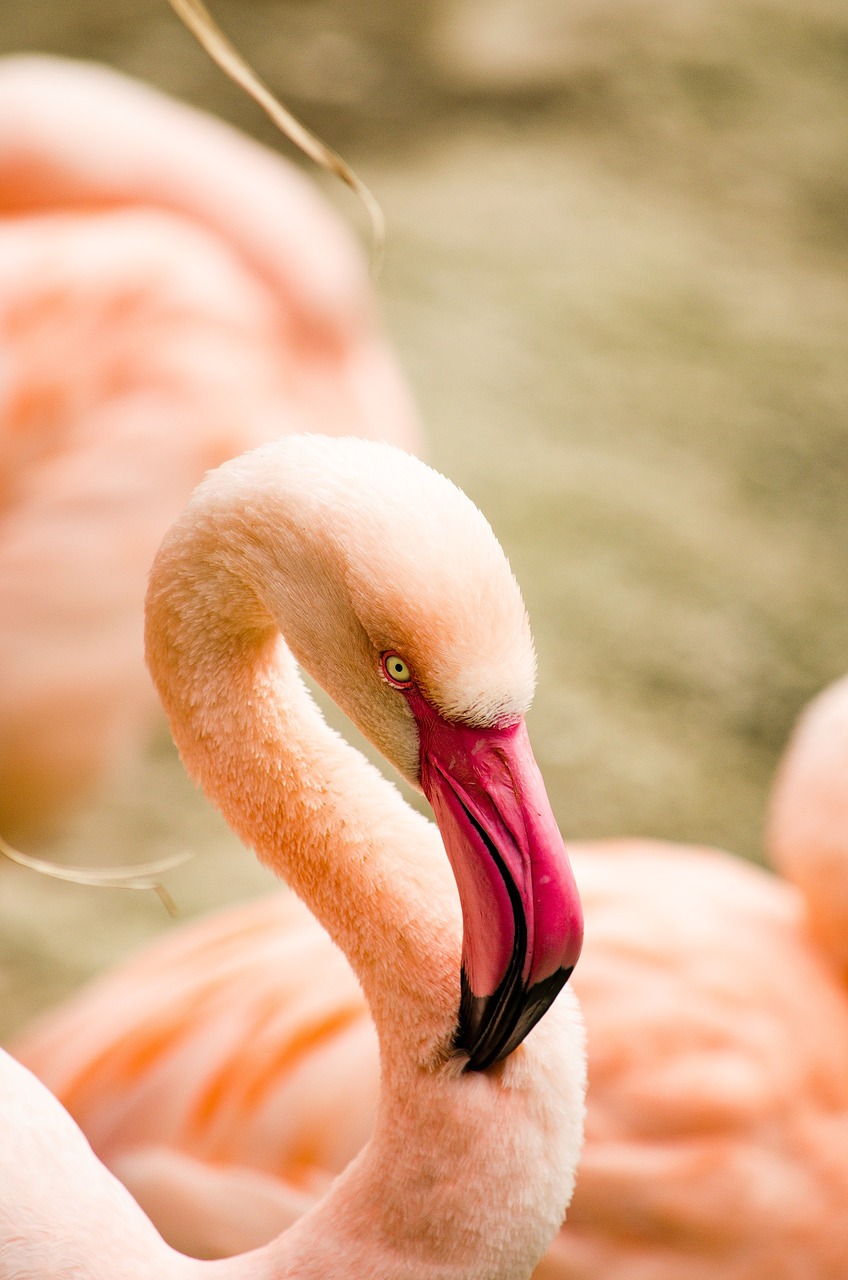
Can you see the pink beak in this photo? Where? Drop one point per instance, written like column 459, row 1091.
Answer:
column 522, row 919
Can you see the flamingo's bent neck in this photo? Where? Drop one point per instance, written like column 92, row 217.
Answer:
column 312, row 807
column 441, row 1190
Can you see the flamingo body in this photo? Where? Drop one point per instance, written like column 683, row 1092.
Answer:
column 170, row 295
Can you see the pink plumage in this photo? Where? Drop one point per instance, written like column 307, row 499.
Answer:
column 171, row 294
column 470, row 1165
column 717, row 1126
column 807, row 829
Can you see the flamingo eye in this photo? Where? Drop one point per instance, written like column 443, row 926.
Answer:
column 396, row 670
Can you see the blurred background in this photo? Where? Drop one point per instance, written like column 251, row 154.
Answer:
column 616, row 279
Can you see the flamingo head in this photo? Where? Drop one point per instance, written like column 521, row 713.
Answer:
column 409, row 616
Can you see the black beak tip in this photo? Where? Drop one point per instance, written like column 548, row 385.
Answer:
column 491, row 1027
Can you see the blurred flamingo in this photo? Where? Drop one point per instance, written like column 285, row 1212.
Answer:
column 341, row 554
column 228, row 1073
column 807, row 830
column 171, row 293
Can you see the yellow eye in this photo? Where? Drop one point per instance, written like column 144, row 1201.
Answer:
column 396, row 669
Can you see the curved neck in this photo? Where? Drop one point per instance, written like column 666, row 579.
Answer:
column 440, row 1192
column 369, row 867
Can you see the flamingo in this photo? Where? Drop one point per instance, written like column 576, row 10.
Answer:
column 807, row 827
column 388, row 585
column 229, row 1072
column 171, row 294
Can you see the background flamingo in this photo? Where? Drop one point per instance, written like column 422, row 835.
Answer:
column 170, row 293
column 347, row 547
column 230, row 1072
column 807, row 834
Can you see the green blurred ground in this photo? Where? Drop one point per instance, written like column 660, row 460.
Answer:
column 616, row 276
